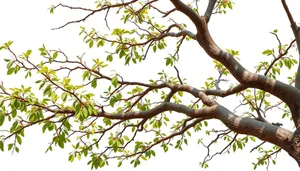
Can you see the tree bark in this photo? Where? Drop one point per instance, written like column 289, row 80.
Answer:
column 288, row 94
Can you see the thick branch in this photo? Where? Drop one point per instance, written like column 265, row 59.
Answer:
column 209, row 9
column 180, row 6
column 166, row 106
column 285, row 92
column 264, row 131
column 296, row 31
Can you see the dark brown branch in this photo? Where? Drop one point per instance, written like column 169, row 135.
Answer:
column 256, row 147
column 209, row 9
column 288, row 13
column 162, row 12
column 106, row 7
column 280, row 56
column 208, row 157
column 163, row 139
column 178, row 76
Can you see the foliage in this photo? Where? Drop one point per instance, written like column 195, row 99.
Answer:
column 111, row 125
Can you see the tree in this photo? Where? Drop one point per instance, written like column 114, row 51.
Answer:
column 126, row 109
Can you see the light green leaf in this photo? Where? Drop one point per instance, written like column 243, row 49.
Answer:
column 55, row 54
column 10, row 71
column 94, row 83
column 114, row 81
column 91, row 44
column 27, row 54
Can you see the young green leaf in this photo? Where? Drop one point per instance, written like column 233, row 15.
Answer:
column 114, row 81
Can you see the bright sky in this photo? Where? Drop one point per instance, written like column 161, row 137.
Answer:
column 246, row 28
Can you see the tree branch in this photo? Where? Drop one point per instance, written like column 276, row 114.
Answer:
column 288, row 94
column 264, row 131
column 105, row 7
column 209, row 9
column 288, row 13
column 166, row 106
column 296, row 32
column 224, row 93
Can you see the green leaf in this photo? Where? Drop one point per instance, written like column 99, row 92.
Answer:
column 267, row 52
column 14, row 112
column 19, row 140
column 234, row 147
column 252, row 138
column 91, row 44
column 100, row 43
column 102, row 163
column 64, row 96
column 126, row 138
column 287, row 63
column 120, row 163
column 122, row 53
column 1, row 146
column 13, row 127
column 85, row 74
column 52, row 9
column 10, row 71
column 114, row 81
column 28, row 52
column 239, row 144
column 2, row 118
column 166, row 148
column 7, row 44
column 9, row 64
column 154, row 48
column 94, row 83
column 47, row 90
column 10, row 146
column 126, row 18
column 230, row 5
column 55, row 54
column 168, row 61
column 61, row 144
column 136, row 162
column 109, row 58
column 71, row 158
column 112, row 103
column 45, row 127
column 166, row 119
column 152, row 152
column 185, row 141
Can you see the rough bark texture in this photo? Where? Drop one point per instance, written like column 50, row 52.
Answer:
column 288, row 140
